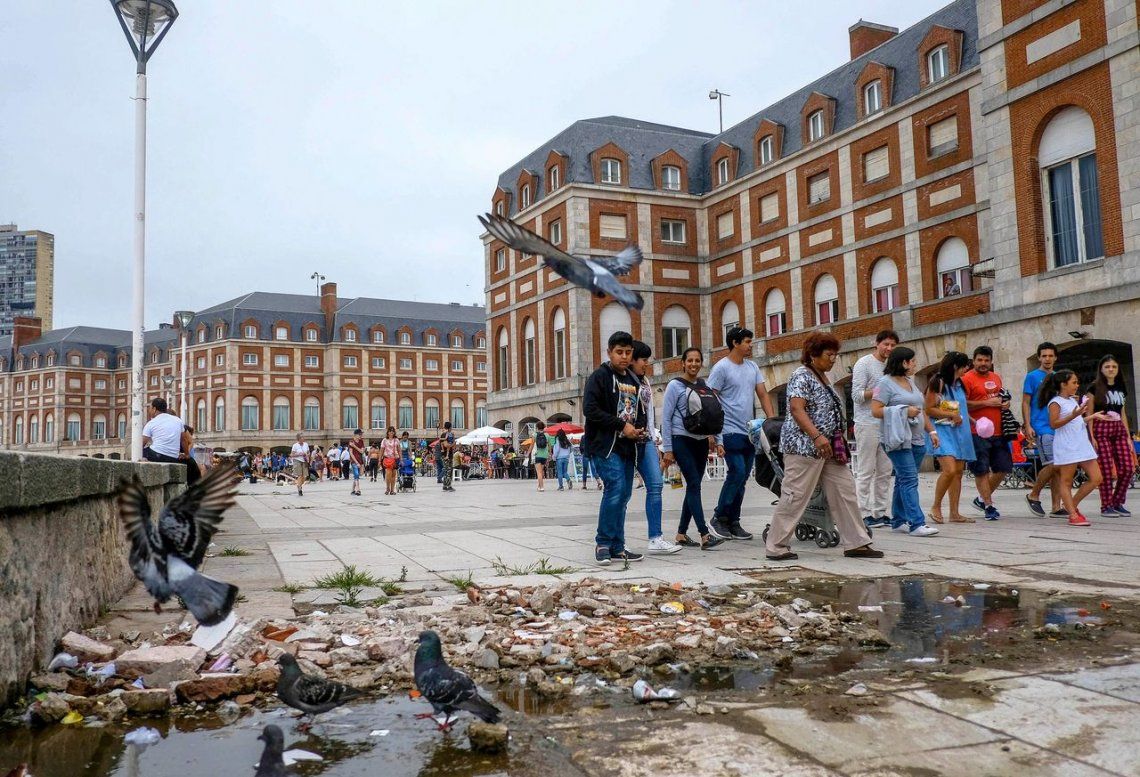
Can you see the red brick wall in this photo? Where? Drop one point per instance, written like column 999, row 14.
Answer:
column 866, row 257
column 657, row 213
column 777, row 186
column 889, row 137
column 616, row 208
column 964, row 180
column 715, row 211
column 863, row 39
column 736, row 260
column 1012, row 10
column 1093, row 36
column 764, row 128
column 871, row 72
column 836, row 227
column 757, row 250
column 674, row 159
column 951, row 309
column 612, row 151
column 827, row 162
column 959, row 104
column 895, row 222
column 808, row 277
column 553, row 303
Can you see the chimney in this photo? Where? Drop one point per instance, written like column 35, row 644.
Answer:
column 328, row 307
column 25, row 329
column 867, row 35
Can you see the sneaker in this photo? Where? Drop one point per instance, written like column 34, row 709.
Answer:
column 738, row 532
column 978, row 504
column 710, row 542
column 1109, row 512
column 560, row 488
column 1035, row 507
column 992, row 513
column 688, row 542
column 1122, row 511
column 662, row 545
column 923, row 531
column 902, row 528
column 720, row 528
column 869, row 520
column 602, row 555
column 628, row 556
column 1079, row 520
column 1059, row 513
column 881, row 520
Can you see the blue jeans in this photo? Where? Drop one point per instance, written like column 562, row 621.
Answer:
column 738, row 457
column 587, row 468
column 617, row 474
column 438, row 470
column 649, row 465
column 905, row 506
column 560, row 466
column 692, row 457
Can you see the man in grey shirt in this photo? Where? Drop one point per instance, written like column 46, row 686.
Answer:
column 739, row 383
column 872, row 466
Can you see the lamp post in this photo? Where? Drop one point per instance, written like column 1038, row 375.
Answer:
column 184, row 319
column 318, row 278
column 167, row 382
column 719, row 96
column 145, row 23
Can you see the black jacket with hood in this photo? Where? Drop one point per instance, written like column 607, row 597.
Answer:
column 603, row 426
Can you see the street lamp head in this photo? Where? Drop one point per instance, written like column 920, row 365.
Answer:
column 167, row 380
column 145, row 23
column 714, row 94
column 184, row 317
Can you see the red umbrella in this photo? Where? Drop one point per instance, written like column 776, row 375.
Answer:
column 499, row 440
column 565, row 426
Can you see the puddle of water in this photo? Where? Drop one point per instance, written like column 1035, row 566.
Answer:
column 207, row 746
column 521, row 698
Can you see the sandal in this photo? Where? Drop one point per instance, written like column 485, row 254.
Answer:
column 936, row 517
column 961, row 519
column 685, row 542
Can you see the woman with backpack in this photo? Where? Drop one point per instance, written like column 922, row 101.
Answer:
column 689, row 427
column 563, row 450
column 541, row 452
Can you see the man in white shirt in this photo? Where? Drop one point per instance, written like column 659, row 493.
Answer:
column 872, row 466
column 162, row 435
column 300, row 458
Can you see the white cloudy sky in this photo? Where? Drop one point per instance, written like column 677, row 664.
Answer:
column 356, row 138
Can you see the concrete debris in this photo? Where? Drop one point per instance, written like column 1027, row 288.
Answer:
column 488, row 737
column 86, row 649
column 146, row 660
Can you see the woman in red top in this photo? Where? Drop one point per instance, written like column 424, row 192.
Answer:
column 389, row 456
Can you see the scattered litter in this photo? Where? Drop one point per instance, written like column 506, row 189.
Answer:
column 643, row 693
column 673, row 608
column 223, row 663
column 63, row 661
column 948, row 599
column 380, row 732
column 349, row 640
column 960, row 601
column 870, row 608
column 923, row 660
column 1014, row 592
column 142, row 738
column 982, row 586
column 101, row 674
column 209, row 637
column 71, row 718
column 1105, row 606
column 295, row 756
column 858, row 689
column 138, row 683
column 229, row 711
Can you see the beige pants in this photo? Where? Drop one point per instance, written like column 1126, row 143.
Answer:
column 801, row 475
column 872, row 472
column 300, row 472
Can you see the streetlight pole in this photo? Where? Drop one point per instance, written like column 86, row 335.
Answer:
column 145, row 23
column 719, row 96
column 318, row 278
column 185, row 317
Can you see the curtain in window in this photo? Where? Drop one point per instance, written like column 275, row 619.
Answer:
column 1063, row 213
column 1090, row 207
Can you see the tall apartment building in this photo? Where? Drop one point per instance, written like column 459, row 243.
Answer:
column 261, row 368
column 970, row 180
column 27, row 268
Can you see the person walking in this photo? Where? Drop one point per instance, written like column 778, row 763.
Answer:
column 446, row 446
column 615, row 423
column 390, row 454
column 993, row 459
column 356, row 455
column 1039, row 434
column 815, row 453
column 946, row 407
column 373, row 462
column 1072, row 442
column 872, row 465
column 540, row 450
column 1115, row 452
column 648, row 459
column 563, row 450
column 690, row 450
column 738, row 381
column 439, row 455
column 900, row 408
column 299, row 454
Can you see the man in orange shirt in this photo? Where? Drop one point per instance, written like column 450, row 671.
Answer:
column 993, row 460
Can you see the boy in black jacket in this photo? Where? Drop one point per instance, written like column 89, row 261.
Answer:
column 615, row 424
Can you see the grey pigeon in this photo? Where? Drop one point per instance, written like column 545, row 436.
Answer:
column 448, row 689
column 271, row 763
column 597, row 274
column 166, row 555
column 309, row 694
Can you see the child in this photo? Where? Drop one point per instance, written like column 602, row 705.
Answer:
column 1072, row 446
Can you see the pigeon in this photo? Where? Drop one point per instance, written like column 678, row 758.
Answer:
column 448, row 689
column 166, row 555
column 597, row 274
column 272, row 764
column 311, row 695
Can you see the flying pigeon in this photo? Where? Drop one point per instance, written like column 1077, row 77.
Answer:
column 271, row 763
column 448, row 690
column 309, row 694
column 166, row 555
column 598, row 274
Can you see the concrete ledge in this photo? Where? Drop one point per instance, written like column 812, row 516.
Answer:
column 36, row 480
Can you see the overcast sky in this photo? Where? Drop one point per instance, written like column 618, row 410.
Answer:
column 357, row 138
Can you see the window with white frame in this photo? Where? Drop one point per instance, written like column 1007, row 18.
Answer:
column 49, row 428
column 98, row 428
column 200, row 415
column 729, row 318
column 611, row 170
column 350, row 361
column 281, row 360
column 219, row 415
column 406, row 414
column 456, row 365
column 219, row 332
column 405, row 338
column 872, row 97
column 767, row 149
column 120, row 424
column 611, row 226
column 612, row 318
column 378, row 336
column 153, row 358
column 100, row 384
column 350, row 335
column 524, row 198
column 826, row 300
column 480, row 414
column 280, row 414
column 312, row 413
column 769, row 207
column 555, row 177
column 675, row 326
column 431, row 364
column 819, row 187
column 672, row 231
column 200, row 363
column 876, row 164
column 671, row 178
column 312, row 361
column 938, row 64
column 250, row 414
column 349, row 413
column 500, row 260
column 942, row 137
column 884, row 285
column 405, row 364
column 74, row 430
column 51, row 360
column 122, row 384
column 75, row 359
column 815, row 126
column 34, row 429
column 503, row 361
column 530, row 354
column 558, row 325
column 74, row 383
column 499, row 208
column 281, row 333
column 249, row 359
column 18, row 430
column 458, row 414
column 480, row 342
column 556, row 232
column 311, row 335
column 725, row 226
column 378, row 414
column 1070, row 189
column 722, row 175
column 35, row 384
column 953, row 268
column 100, row 361
column 219, row 360
column 431, row 414
column 378, row 362
column 251, row 331
column 457, row 341
column 202, row 335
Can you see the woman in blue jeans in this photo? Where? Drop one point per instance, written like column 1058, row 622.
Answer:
column 563, row 450
column 900, row 406
column 690, row 451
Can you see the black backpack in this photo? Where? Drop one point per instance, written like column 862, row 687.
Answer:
column 540, row 440
column 701, row 411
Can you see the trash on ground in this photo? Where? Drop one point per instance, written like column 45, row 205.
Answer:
column 63, row 661
column 296, row 756
column 143, row 737
column 870, row 608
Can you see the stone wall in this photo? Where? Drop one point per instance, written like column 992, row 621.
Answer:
column 63, row 553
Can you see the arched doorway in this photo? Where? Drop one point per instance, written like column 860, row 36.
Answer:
column 559, row 418
column 1082, row 356
column 526, row 427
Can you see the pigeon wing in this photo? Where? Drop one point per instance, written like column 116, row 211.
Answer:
column 623, row 263
column 188, row 521
column 318, row 692
column 146, row 557
column 522, row 239
column 446, row 687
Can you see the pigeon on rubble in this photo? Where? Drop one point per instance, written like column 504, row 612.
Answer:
column 597, row 274
column 166, row 555
column 272, row 764
column 311, row 695
column 448, row 689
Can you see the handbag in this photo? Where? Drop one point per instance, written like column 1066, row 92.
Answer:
column 839, row 449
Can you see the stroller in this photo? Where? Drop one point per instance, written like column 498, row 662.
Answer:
column 405, row 475
column 816, row 523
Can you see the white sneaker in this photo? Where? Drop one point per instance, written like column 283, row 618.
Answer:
column 902, row 528
column 662, row 545
column 923, row 531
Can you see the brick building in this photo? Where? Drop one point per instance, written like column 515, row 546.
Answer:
column 261, row 368
column 970, row 180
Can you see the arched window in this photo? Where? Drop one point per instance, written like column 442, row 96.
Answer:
column 49, row 428
column 18, row 430
column 219, row 415
column 406, row 414
column 458, row 414
column 953, row 268
column 99, row 427
column 555, row 177
column 1071, row 190
column 74, row 427
column 250, row 414
column 312, row 413
column 674, row 331
column 378, row 414
column 872, row 97
column 280, row 414
column 349, row 413
column 34, row 428
column 729, row 317
column 884, row 285
column 431, row 413
column 613, row 318
column 200, row 419
column 826, row 300
column 530, row 354
column 775, row 315
column 502, row 362
column 525, row 196
column 120, row 425
column 480, row 413
column 558, row 324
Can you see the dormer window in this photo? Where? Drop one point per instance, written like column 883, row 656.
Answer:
column 282, row 333
column 251, row 331
column 611, row 170
column 524, row 197
column 938, row 64
column 153, row 358
column 75, row 359
column 201, row 335
column 555, row 178
column 815, row 126
column 100, row 361
column 499, row 208
column 378, row 336
column 722, row 172
column 51, row 360
column 350, row 335
column 671, row 178
column 457, row 341
column 311, row 335
column 432, row 340
column 405, row 338
column 219, row 332
column 766, row 154
column 872, row 98
column 481, row 342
